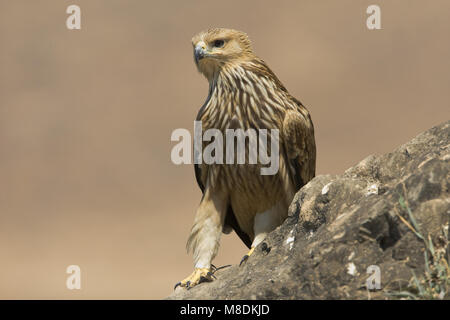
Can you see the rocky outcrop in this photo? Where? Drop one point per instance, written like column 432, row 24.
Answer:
column 391, row 212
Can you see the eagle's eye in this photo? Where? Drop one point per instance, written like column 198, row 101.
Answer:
column 218, row 43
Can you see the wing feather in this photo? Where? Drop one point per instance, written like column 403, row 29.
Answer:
column 299, row 144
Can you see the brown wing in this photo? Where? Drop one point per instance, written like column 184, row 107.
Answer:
column 299, row 143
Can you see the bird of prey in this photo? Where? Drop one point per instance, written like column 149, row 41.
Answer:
column 245, row 94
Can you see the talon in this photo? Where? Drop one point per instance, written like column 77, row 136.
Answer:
column 199, row 275
column 265, row 248
column 176, row 285
column 245, row 258
column 222, row 267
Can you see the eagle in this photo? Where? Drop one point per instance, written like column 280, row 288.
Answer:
column 245, row 94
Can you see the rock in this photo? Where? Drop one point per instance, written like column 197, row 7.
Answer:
column 338, row 226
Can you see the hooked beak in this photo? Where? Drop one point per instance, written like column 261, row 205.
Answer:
column 199, row 52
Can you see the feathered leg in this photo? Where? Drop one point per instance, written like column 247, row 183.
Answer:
column 205, row 237
column 264, row 223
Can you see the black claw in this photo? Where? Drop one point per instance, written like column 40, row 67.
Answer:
column 244, row 258
column 211, row 275
column 178, row 284
column 223, row 267
column 188, row 285
column 265, row 248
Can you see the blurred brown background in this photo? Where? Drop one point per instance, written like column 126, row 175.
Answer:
column 86, row 118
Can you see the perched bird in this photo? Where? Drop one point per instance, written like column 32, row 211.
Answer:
column 245, row 94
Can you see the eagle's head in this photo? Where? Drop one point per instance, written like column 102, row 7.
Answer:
column 216, row 48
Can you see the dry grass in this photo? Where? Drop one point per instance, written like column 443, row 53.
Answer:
column 434, row 283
